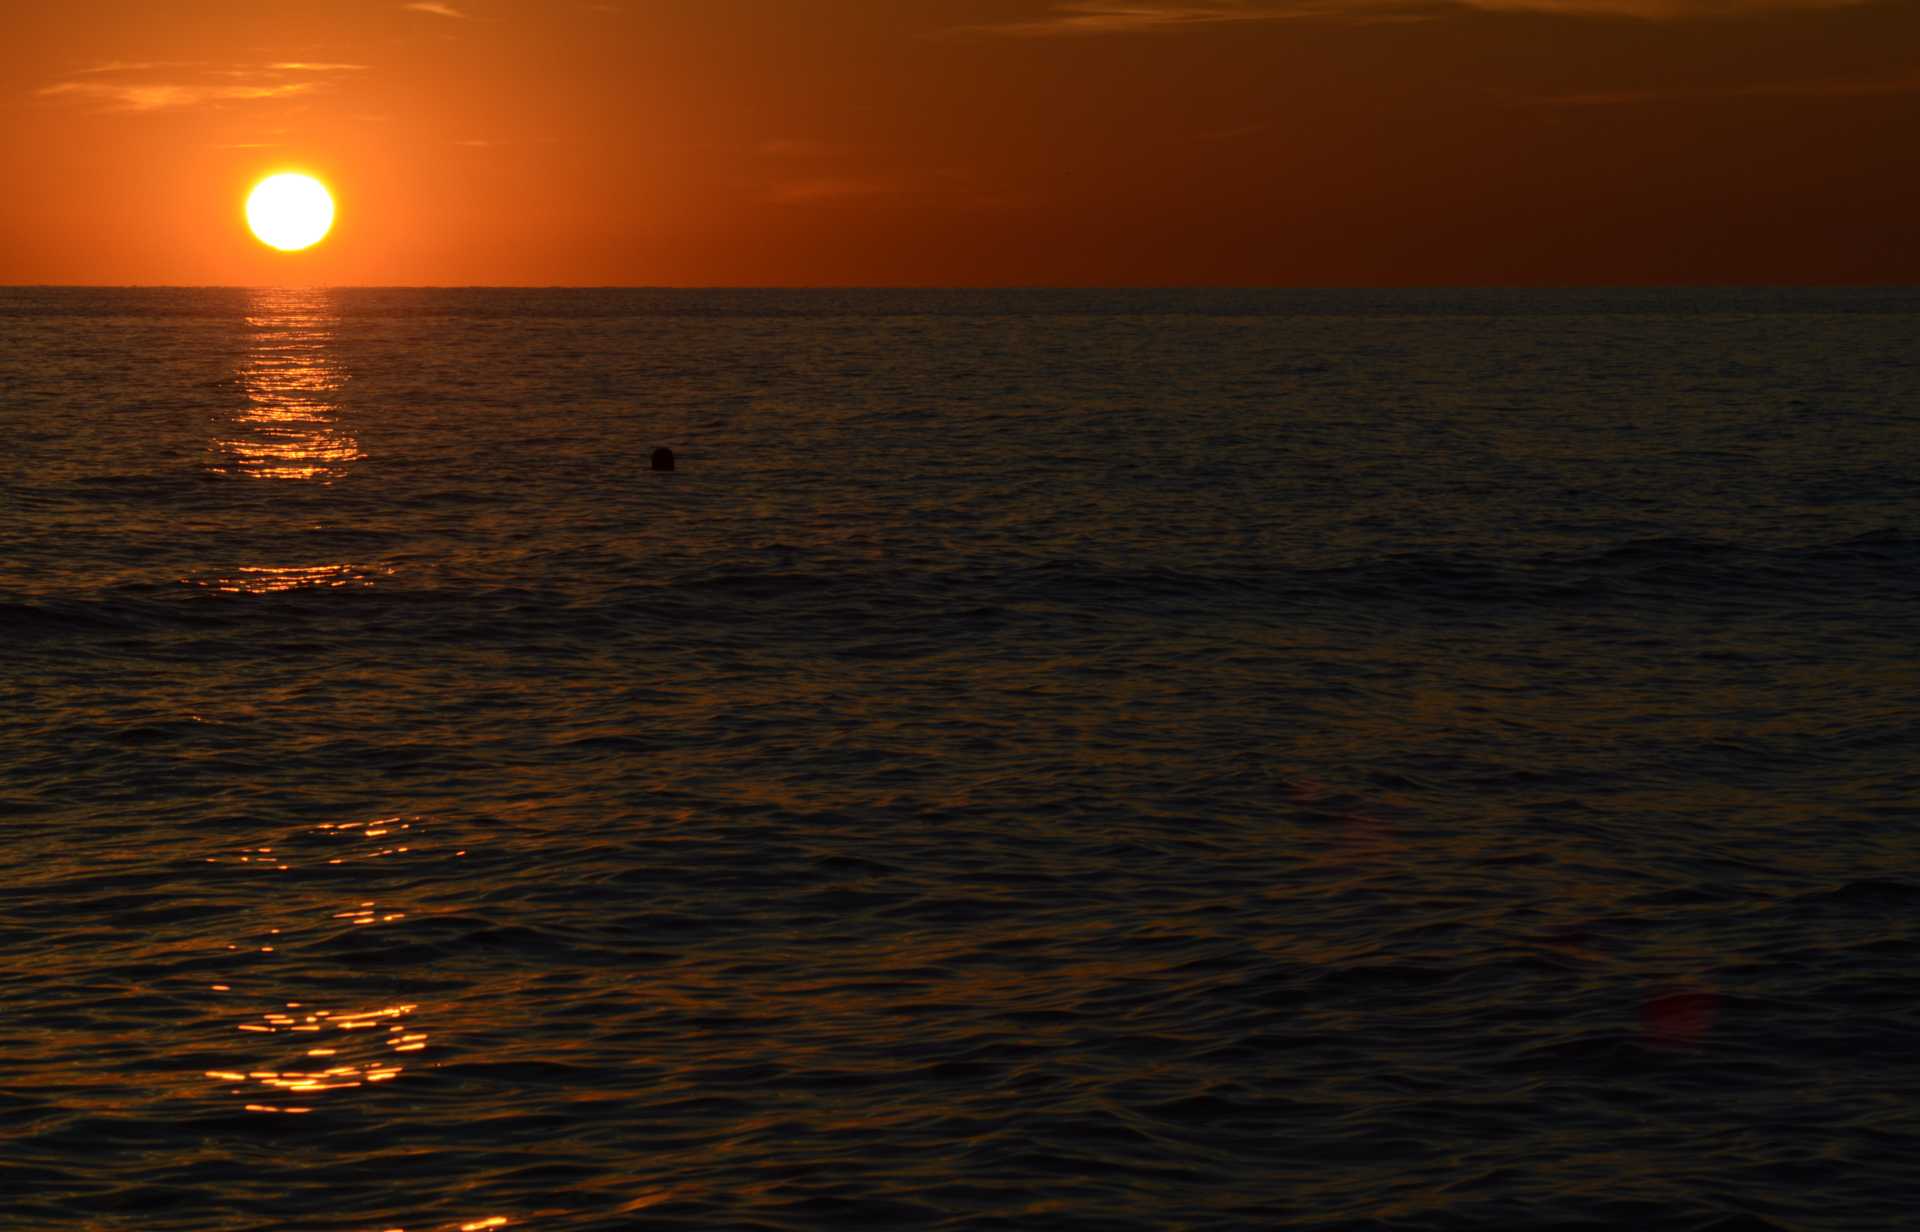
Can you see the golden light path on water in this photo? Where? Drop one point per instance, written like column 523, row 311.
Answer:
column 288, row 429
column 268, row 579
column 292, row 377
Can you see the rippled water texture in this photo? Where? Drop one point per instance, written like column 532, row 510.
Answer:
column 1044, row 760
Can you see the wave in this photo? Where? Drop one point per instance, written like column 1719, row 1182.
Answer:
column 1880, row 567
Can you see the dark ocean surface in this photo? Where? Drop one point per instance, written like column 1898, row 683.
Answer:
column 1107, row 761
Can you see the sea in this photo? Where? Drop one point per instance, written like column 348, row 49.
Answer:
column 1113, row 760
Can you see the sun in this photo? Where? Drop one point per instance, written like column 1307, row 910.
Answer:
column 290, row 211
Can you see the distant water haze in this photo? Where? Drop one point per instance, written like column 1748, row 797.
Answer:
column 1105, row 760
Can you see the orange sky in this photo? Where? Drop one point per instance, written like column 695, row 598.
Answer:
column 968, row 142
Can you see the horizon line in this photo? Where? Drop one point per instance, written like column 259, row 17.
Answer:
column 1728, row 285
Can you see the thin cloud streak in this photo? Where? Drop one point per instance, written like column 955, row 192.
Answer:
column 140, row 66
column 206, row 85
column 800, row 147
column 944, row 188
column 1660, row 10
column 162, row 97
column 838, row 188
column 437, row 10
column 1714, row 94
column 1097, row 17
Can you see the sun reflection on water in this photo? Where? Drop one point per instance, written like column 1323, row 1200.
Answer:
column 486, row 1224
column 272, row 579
column 288, row 1055
column 367, row 1065
column 292, row 377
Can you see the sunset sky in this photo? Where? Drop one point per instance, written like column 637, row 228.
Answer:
column 968, row 142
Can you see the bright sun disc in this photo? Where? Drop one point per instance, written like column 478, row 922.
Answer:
column 290, row 211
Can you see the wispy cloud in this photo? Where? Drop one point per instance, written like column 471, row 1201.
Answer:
column 495, row 143
column 944, row 188
column 1884, row 88
column 1096, row 17
column 122, row 85
column 1660, row 10
column 800, row 147
column 438, row 10
column 807, row 170
column 838, row 188
column 1146, row 16
column 160, row 97
column 141, row 66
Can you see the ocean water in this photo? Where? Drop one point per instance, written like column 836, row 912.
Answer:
column 1106, row 760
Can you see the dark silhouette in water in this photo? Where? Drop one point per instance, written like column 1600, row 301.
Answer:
column 663, row 459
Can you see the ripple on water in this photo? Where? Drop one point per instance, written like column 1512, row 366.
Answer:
column 1409, row 775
